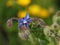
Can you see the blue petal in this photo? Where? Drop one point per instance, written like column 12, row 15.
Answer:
column 26, row 25
column 20, row 20
column 26, row 17
column 20, row 25
column 28, row 20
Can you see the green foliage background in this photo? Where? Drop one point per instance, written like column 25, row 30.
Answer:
column 10, row 36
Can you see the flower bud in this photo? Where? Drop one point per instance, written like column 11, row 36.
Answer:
column 9, row 23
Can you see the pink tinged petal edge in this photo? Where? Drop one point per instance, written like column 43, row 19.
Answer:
column 9, row 23
column 22, row 35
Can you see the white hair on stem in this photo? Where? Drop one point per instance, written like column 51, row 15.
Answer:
column 55, row 17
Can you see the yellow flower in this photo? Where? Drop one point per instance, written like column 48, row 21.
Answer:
column 9, row 3
column 21, row 14
column 23, row 2
column 44, row 13
column 34, row 9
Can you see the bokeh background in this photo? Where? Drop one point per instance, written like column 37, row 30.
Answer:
column 44, row 9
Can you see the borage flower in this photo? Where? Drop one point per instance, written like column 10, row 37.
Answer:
column 24, row 21
column 23, row 25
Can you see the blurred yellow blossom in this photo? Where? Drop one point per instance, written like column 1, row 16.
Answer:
column 21, row 14
column 23, row 2
column 34, row 9
column 44, row 13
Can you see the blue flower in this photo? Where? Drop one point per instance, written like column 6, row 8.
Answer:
column 24, row 21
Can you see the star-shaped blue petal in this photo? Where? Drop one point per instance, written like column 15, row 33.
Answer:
column 24, row 21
